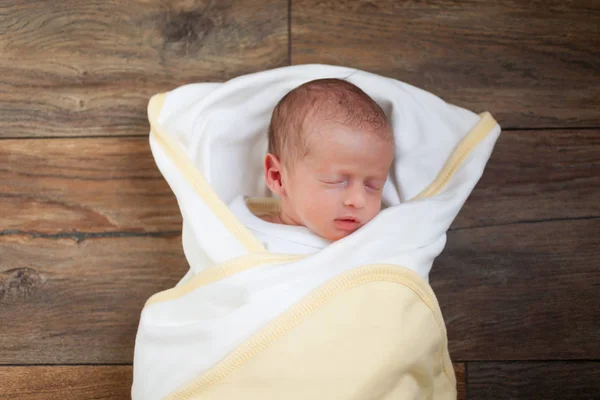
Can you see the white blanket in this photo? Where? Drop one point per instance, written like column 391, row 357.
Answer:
column 209, row 140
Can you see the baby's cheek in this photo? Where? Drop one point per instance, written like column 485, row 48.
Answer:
column 308, row 203
column 319, row 206
column 320, row 209
column 374, row 209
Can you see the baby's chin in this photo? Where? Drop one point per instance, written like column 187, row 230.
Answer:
column 335, row 234
column 334, row 238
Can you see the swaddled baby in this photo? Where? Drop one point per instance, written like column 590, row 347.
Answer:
column 330, row 150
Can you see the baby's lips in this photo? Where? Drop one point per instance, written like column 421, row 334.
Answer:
column 347, row 224
column 348, row 218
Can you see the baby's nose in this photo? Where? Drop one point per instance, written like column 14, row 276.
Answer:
column 355, row 197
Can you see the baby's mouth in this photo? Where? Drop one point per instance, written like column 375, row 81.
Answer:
column 347, row 223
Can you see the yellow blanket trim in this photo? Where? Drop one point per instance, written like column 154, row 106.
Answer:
column 196, row 179
column 464, row 148
column 216, row 273
column 293, row 317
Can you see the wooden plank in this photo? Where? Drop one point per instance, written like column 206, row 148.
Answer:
column 64, row 186
column 61, row 186
column 66, row 382
column 534, row 380
column 461, row 387
column 64, row 301
column 538, row 175
column 89, row 68
column 87, row 382
column 531, row 64
column 522, row 291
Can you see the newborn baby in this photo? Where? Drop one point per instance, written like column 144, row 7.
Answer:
column 330, row 150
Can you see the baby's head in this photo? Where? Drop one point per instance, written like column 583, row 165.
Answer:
column 330, row 150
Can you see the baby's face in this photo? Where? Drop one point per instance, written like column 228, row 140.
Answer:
column 337, row 187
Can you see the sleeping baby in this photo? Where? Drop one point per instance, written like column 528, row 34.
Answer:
column 330, row 150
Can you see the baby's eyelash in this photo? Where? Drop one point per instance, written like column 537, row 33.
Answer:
column 374, row 186
column 341, row 182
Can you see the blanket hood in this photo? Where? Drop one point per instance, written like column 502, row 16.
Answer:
column 216, row 134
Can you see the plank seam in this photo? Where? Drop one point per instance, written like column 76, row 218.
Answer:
column 68, row 365
column 554, row 128
column 526, row 221
column 141, row 135
column 81, row 236
column 144, row 135
column 549, row 361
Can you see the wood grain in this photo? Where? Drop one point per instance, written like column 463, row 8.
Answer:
column 64, row 301
column 531, row 64
column 534, row 380
column 73, row 68
column 522, row 291
column 537, row 175
column 66, row 382
column 69, row 186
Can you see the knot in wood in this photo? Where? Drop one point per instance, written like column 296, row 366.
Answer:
column 19, row 284
column 187, row 28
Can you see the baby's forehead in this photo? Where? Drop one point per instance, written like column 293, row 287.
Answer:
column 327, row 140
column 318, row 130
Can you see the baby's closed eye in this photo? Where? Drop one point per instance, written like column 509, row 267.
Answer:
column 370, row 184
column 334, row 182
column 375, row 185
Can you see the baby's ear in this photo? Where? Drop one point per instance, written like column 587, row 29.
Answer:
column 274, row 174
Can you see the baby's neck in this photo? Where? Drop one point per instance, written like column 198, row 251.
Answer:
column 271, row 210
column 279, row 218
column 272, row 218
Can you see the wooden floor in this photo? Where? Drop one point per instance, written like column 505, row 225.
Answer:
column 89, row 229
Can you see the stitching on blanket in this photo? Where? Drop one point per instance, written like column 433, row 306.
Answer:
column 464, row 148
column 293, row 317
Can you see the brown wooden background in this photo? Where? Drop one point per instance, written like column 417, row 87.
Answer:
column 89, row 229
